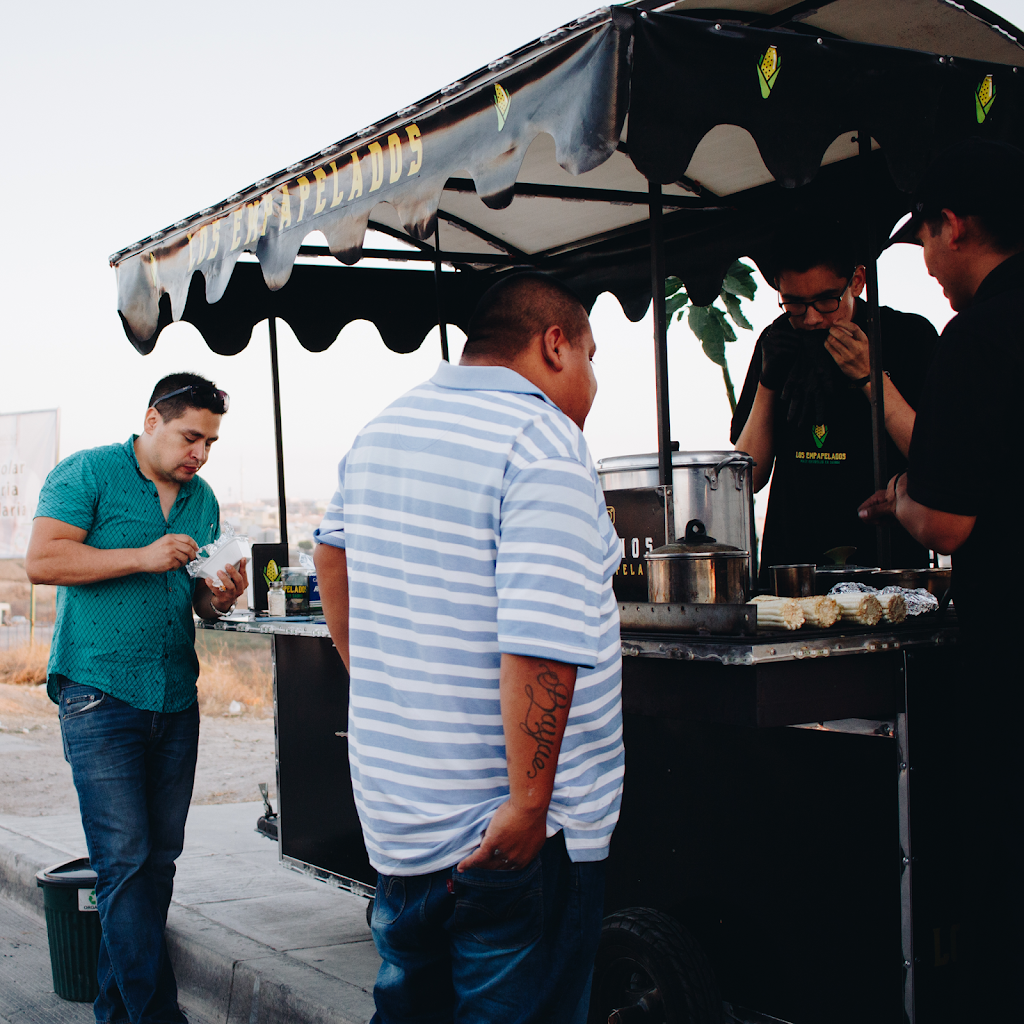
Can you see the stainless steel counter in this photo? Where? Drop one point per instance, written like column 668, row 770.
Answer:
column 240, row 623
column 765, row 648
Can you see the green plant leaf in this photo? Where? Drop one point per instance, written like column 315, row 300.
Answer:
column 710, row 326
column 739, row 280
column 672, row 285
column 674, row 302
column 732, row 304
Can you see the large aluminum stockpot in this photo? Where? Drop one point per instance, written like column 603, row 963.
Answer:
column 714, row 487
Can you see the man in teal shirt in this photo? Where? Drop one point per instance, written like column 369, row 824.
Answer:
column 114, row 529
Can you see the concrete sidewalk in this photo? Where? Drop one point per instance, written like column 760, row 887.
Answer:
column 252, row 943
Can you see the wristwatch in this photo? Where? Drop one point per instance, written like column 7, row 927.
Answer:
column 864, row 381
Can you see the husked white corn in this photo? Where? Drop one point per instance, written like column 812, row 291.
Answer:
column 778, row 612
column 819, row 611
column 894, row 607
column 864, row 609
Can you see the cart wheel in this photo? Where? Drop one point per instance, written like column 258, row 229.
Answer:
column 369, row 913
column 650, row 969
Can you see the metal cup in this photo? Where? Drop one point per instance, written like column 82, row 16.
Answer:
column 793, row 580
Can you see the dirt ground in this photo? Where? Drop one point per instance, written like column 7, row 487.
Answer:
column 235, row 753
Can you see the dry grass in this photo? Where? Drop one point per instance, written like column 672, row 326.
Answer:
column 24, row 666
column 244, row 676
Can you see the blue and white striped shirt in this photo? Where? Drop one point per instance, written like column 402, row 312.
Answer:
column 474, row 526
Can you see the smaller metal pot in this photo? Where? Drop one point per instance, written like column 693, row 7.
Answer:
column 935, row 581
column 827, row 576
column 697, row 570
column 795, row 580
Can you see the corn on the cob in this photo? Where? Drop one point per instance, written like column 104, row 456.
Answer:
column 778, row 613
column 770, row 62
column 985, row 90
column 894, row 607
column 819, row 611
column 864, row 609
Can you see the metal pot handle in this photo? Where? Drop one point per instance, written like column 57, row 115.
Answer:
column 736, row 458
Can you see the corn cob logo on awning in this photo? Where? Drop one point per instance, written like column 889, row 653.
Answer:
column 768, row 67
column 984, row 97
column 502, row 101
column 819, row 432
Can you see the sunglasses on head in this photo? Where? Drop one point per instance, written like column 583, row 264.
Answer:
column 200, row 392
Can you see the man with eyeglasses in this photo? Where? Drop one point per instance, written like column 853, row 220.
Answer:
column 114, row 529
column 805, row 406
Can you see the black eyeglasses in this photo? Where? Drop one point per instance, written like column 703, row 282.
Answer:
column 829, row 305
column 200, row 392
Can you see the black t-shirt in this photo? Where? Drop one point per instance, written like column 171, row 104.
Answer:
column 824, row 471
column 964, row 457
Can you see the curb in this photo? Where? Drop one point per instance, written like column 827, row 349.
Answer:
column 20, row 859
column 222, row 975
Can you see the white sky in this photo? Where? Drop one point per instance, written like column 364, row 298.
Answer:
column 119, row 118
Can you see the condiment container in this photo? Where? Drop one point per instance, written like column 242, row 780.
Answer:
column 316, row 604
column 276, row 599
column 296, row 590
column 698, row 570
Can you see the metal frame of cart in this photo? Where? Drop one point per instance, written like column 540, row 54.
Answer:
column 724, row 106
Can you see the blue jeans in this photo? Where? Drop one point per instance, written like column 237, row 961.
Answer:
column 133, row 771
column 489, row 947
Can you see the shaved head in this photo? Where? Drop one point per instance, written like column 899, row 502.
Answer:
column 519, row 308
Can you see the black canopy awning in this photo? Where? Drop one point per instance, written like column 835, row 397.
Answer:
column 533, row 161
column 318, row 302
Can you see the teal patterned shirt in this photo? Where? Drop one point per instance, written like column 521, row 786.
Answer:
column 132, row 637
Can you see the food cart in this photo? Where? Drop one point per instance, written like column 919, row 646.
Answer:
column 766, row 866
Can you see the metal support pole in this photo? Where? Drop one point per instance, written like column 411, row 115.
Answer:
column 441, row 325
column 879, row 438
column 282, row 503
column 660, row 339
column 906, row 856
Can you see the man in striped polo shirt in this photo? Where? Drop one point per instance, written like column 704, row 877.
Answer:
column 465, row 565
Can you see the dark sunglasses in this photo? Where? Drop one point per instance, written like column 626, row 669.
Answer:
column 200, row 392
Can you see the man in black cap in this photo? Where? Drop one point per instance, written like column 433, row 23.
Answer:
column 969, row 218
column 961, row 495
column 805, row 406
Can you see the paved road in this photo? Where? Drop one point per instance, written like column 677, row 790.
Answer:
column 26, row 985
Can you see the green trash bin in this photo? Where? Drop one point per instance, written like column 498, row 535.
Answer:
column 72, row 928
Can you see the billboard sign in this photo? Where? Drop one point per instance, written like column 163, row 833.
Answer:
column 28, row 451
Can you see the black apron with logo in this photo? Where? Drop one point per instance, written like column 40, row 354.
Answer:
column 824, row 470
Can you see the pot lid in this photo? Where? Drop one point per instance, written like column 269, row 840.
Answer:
column 695, row 542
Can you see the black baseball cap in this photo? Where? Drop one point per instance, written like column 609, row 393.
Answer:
column 976, row 176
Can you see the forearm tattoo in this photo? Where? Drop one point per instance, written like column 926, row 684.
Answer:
column 540, row 723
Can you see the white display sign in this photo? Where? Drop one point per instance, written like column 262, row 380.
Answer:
column 28, row 451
